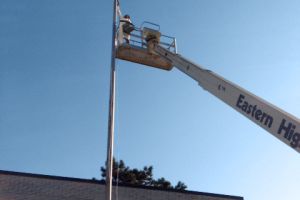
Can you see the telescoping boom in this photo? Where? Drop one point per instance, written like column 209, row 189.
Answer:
column 158, row 54
column 279, row 123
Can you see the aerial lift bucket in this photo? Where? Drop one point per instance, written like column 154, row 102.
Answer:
column 142, row 56
column 136, row 51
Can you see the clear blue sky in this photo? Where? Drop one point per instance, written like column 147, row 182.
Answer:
column 54, row 85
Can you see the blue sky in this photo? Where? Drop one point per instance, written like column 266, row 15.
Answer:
column 54, row 86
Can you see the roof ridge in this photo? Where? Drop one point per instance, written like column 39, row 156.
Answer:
column 101, row 182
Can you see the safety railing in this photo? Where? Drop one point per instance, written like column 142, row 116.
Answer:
column 136, row 37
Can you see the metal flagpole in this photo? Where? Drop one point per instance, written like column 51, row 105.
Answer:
column 111, row 115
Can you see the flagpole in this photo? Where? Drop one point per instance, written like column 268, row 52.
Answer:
column 111, row 115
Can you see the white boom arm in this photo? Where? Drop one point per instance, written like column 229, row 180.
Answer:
column 279, row 123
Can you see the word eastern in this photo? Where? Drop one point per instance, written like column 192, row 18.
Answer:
column 287, row 128
column 254, row 111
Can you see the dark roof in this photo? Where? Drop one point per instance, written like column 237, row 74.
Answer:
column 101, row 182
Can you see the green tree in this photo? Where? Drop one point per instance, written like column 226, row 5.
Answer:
column 180, row 186
column 125, row 175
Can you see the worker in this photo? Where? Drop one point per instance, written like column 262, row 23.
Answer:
column 127, row 27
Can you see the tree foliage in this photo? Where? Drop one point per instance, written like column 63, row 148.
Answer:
column 125, row 175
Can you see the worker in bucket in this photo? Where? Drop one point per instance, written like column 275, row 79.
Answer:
column 127, row 27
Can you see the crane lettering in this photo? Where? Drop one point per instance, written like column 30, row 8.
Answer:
column 289, row 133
column 254, row 111
column 285, row 128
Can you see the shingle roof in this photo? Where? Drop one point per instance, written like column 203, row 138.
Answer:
column 101, row 182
